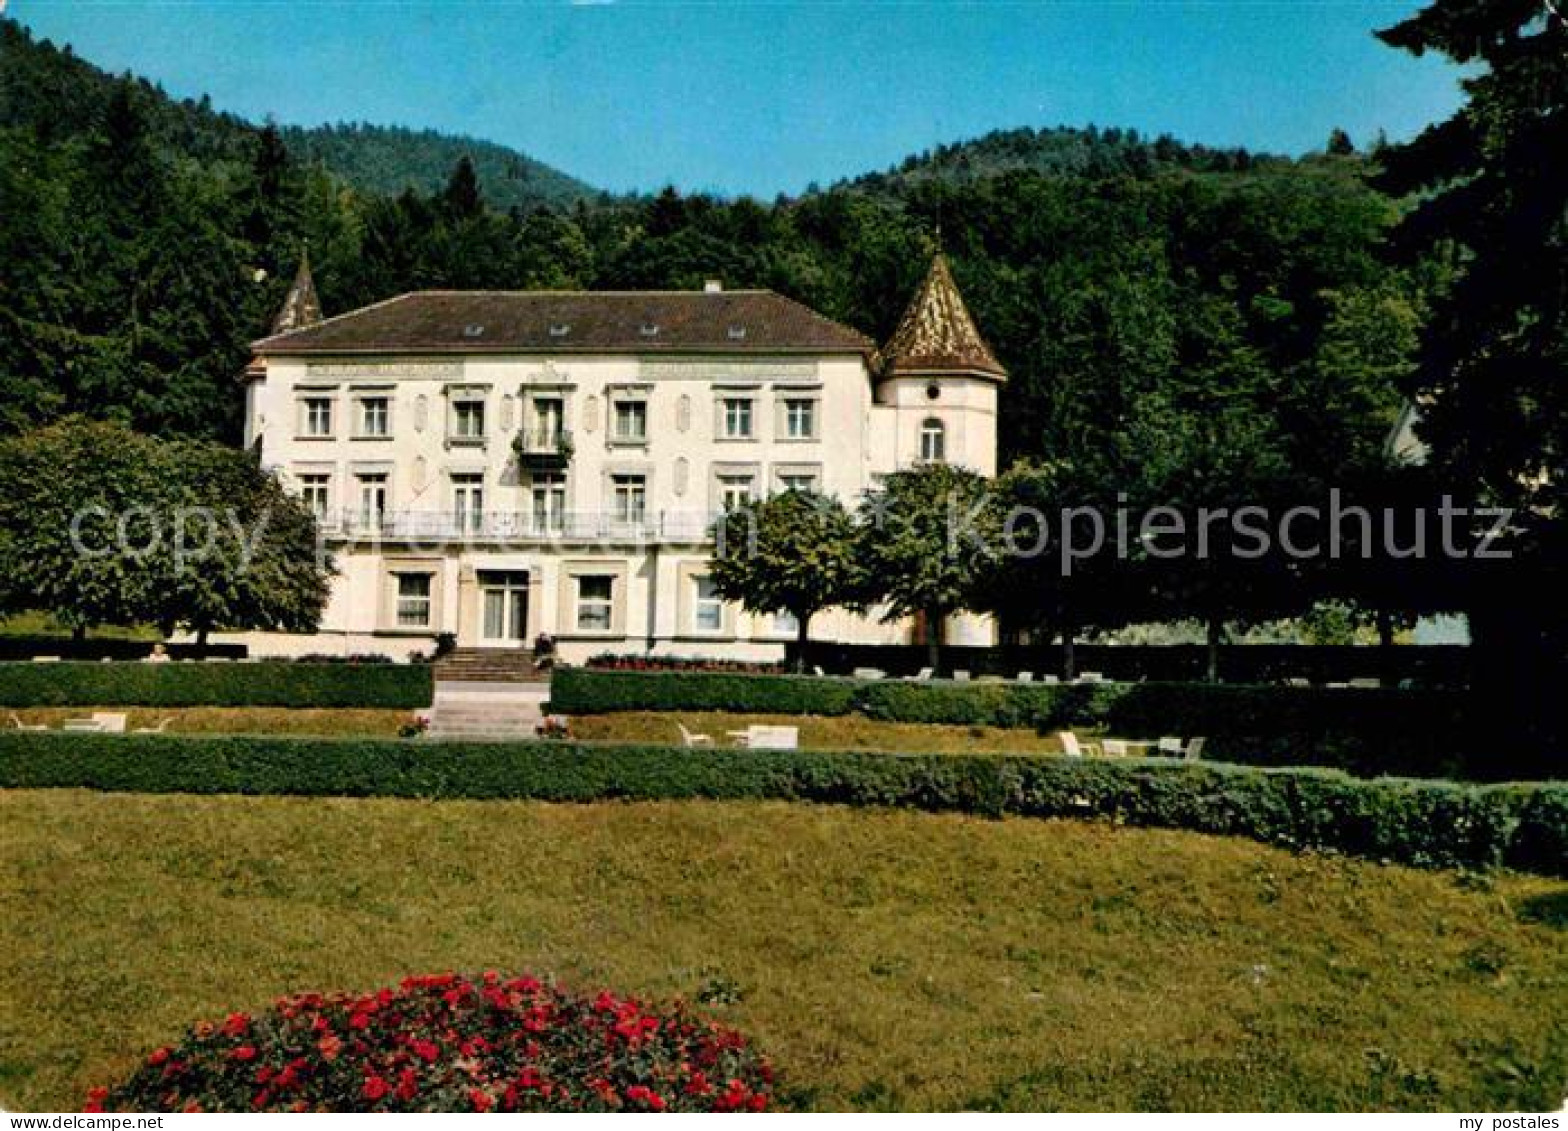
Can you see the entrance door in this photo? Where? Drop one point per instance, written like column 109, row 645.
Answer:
column 504, row 602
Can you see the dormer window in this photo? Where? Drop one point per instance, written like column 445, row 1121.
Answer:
column 649, row 330
column 559, row 329
column 737, row 333
column 473, row 330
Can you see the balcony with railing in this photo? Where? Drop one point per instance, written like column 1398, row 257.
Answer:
column 543, row 449
column 432, row 527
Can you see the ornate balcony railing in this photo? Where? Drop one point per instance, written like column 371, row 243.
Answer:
column 543, row 447
column 428, row 526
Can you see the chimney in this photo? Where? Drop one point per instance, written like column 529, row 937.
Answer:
column 713, row 286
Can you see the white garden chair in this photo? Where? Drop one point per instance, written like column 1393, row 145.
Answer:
column 688, row 739
column 1074, row 747
column 16, row 721
column 163, row 725
column 921, row 676
column 1026, row 677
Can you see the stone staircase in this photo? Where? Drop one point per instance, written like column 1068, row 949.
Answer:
column 494, row 710
column 488, row 665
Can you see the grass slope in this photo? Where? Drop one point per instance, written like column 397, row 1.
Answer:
column 883, row 958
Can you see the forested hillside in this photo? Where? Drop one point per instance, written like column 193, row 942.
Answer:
column 54, row 91
column 1142, row 294
column 390, row 159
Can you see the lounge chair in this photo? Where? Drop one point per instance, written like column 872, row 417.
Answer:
column 920, row 676
column 163, row 725
column 16, row 721
column 816, row 669
column 1298, row 681
column 1365, row 683
column 1051, row 679
column 870, row 673
column 1025, row 677
column 1115, row 747
column 1169, row 745
column 1073, row 747
column 110, row 722
column 1193, row 751
column 1091, row 677
column 773, row 738
column 961, row 676
column 688, row 739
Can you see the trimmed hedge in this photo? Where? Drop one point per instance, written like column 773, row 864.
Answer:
column 1435, row 824
column 271, row 684
column 1369, row 732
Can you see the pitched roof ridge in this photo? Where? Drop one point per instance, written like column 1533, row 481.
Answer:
column 335, row 318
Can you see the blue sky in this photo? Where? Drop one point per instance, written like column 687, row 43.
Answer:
column 766, row 97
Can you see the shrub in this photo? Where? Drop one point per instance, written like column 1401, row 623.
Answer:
column 1363, row 731
column 579, row 691
column 270, row 684
column 1428, row 823
column 610, row 661
column 451, row 1043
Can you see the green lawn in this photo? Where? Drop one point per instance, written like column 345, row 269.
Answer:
column 234, row 720
column 839, row 732
column 882, row 958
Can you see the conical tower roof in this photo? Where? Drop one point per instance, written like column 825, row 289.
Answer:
column 937, row 335
column 301, row 308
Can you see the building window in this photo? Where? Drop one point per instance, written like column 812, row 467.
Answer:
column 785, row 624
column 468, row 502
column 707, row 606
column 373, row 499
column 548, row 494
column 315, row 491
column 549, row 420
column 468, row 419
column 735, row 491
column 800, row 419
column 631, row 421
column 737, row 418
column 413, row 600
column 375, row 417
column 316, row 417
column 933, row 442
column 798, row 481
column 629, row 495
column 595, row 602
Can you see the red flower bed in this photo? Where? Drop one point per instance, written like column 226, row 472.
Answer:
column 451, row 1043
column 611, row 662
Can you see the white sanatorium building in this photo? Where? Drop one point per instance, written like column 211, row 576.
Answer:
column 498, row 465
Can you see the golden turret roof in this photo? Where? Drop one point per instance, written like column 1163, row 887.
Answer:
column 937, row 335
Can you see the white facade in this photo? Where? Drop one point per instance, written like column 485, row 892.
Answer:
column 499, row 496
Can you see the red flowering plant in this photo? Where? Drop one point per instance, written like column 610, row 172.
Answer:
column 609, row 661
column 447, row 1042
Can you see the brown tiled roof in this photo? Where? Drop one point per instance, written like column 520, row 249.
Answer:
column 640, row 322
column 937, row 335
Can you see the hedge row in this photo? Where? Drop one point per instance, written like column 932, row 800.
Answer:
column 214, row 685
column 1442, row 824
column 1363, row 731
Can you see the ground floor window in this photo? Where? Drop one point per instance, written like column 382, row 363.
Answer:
column 595, row 602
column 413, row 600
column 707, row 606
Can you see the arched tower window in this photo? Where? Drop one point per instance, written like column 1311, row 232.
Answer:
column 933, row 442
